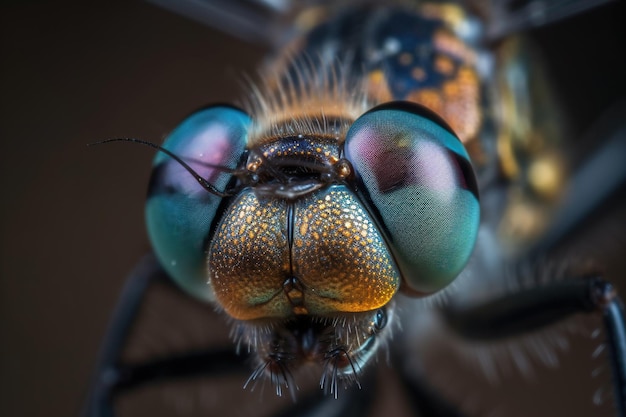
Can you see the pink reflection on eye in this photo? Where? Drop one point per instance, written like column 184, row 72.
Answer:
column 433, row 167
column 209, row 146
column 397, row 162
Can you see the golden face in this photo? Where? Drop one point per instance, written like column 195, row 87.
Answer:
column 319, row 255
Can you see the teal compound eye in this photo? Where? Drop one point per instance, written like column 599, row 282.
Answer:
column 416, row 178
column 180, row 211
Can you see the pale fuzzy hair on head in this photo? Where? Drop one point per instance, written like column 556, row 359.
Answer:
column 306, row 96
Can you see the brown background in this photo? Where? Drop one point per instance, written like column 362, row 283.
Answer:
column 71, row 218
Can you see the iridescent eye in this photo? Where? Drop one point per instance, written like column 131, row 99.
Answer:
column 179, row 210
column 417, row 180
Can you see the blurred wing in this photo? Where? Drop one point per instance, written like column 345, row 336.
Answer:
column 267, row 21
column 508, row 17
column 263, row 22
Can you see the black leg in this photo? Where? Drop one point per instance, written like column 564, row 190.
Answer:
column 112, row 377
column 613, row 311
column 99, row 398
column 189, row 365
column 534, row 308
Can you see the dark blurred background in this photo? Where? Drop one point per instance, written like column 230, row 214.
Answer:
column 71, row 218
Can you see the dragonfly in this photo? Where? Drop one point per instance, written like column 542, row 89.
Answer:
column 413, row 153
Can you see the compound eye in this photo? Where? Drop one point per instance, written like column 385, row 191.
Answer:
column 418, row 182
column 179, row 211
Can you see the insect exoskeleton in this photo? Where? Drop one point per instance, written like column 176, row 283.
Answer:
column 304, row 228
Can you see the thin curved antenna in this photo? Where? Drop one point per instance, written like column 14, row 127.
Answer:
column 204, row 183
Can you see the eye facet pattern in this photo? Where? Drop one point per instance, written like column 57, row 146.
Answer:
column 417, row 178
column 179, row 212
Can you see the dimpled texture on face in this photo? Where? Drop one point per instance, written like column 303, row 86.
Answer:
column 339, row 252
column 325, row 242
